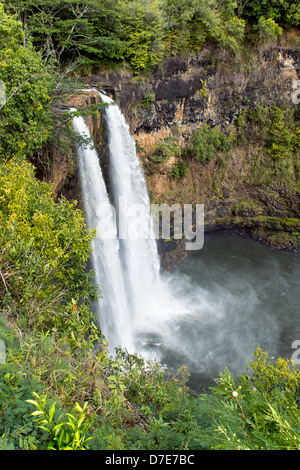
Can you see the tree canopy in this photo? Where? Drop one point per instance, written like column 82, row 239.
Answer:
column 25, row 122
column 140, row 32
column 92, row 31
column 284, row 12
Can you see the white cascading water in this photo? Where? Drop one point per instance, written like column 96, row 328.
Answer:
column 127, row 267
column 172, row 318
column 113, row 306
column 147, row 295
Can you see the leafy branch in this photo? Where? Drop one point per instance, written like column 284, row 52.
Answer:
column 67, row 432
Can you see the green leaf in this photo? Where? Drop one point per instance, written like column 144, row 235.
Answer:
column 44, row 428
column 51, row 412
column 33, row 402
column 57, row 428
column 37, row 412
column 78, row 408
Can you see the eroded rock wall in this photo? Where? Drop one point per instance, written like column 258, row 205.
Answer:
column 212, row 86
column 174, row 101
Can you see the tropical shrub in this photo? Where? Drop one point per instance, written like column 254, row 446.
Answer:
column 44, row 249
column 191, row 23
column 254, row 412
column 88, row 32
column 207, row 142
column 66, row 432
column 284, row 132
column 180, row 170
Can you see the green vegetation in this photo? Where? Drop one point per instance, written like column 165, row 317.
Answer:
column 60, row 388
column 25, row 123
column 91, row 33
column 285, row 13
column 180, row 170
column 281, row 129
column 66, row 435
column 275, row 130
column 166, row 149
column 205, row 144
column 93, row 401
column 274, row 133
column 44, row 248
column 148, row 100
column 191, row 23
column 256, row 411
column 268, row 29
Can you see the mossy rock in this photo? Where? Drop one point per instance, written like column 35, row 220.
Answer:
column 281, row 240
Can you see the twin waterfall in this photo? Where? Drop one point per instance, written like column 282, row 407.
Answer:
column 126, row 268
column 210, row 313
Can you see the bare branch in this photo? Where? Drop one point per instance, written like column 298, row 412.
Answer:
column 3, row 279
column 15, row 91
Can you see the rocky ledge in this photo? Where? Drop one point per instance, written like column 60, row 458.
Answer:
column 174, row 101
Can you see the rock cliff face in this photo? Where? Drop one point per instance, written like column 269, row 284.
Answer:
column 212, row 87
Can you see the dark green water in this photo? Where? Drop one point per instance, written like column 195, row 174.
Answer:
column 238, row 295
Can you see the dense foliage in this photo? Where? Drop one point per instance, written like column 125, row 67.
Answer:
column 191, row 23
column 93, row 31
column 274, row 130
column 125, row 403
column 44, row 249
column 259, row 411
column 141, row 32
column 205, row 144
column 285, row 12
column 25, row 121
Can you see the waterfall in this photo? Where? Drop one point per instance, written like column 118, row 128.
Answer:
column 125, row 256
column 138, row 250
column 204, row 318
column 113, row 306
